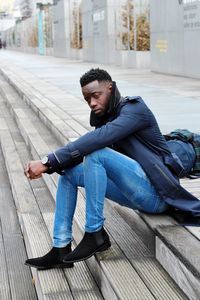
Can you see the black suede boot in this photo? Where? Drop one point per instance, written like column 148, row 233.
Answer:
column 53, row 259
column 90, row 244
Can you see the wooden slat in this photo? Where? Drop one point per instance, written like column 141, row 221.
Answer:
column 186, row 280
column 155, row 278
column 18, row 278
column 123, row 281
column 183, row 244
column 38, row 243
column 81, row 282
column 5, row 293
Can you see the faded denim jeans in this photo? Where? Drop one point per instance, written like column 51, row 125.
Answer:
column 104, row 173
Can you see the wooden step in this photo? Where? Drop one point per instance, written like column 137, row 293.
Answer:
column 35, row 225
column 15, row 278
column 147, row 267
column 178, row 251
column 108, row 277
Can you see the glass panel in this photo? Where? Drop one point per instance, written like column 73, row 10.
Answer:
column 132, row 25
column 48, row 30
column 143, row 27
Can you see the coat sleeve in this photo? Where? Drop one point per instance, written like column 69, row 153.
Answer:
column 132, row 117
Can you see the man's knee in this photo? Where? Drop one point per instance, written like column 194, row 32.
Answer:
column 96, row 155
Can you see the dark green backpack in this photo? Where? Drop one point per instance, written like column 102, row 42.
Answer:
column 186, row 145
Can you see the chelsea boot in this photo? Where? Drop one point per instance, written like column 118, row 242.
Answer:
column 90, row 244
column 53, row 259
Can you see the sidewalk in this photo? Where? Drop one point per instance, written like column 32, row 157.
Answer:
column 174, row 100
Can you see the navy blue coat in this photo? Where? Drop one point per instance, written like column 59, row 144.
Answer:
column 131, row 128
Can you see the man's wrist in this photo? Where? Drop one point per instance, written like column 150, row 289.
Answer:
column 45, row 161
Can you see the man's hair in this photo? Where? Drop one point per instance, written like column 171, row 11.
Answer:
column 95, row 74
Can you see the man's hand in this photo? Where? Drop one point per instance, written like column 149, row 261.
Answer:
column 34, row 169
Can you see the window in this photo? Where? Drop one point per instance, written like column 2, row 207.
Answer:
column 132, row 25
column 75, row 24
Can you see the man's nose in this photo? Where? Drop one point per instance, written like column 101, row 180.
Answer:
column 93, row 103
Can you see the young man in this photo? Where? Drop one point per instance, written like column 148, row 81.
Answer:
column 125, row 159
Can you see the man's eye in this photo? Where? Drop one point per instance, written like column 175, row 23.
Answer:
column 96, row 96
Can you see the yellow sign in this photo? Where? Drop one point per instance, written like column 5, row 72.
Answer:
column 162, row 45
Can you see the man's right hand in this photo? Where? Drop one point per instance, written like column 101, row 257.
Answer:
column 34, row 169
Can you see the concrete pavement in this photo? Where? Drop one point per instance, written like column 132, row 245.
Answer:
column 174, row 100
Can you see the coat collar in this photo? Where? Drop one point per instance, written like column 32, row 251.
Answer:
column 115, row 99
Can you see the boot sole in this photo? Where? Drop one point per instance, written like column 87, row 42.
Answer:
column 100, row 249
column 60, row 266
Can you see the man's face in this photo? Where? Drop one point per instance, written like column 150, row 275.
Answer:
column 97, row 94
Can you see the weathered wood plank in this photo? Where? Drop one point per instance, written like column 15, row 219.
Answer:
column 137, row 224
column 80, row 280
column 143, row 261
column 76, row 126
column 50, row 281
column 20, row 280
column 195, row 231
column 184, row 245
column 4, row 281
column 19, row 276
column 126, row 284
column 186, row 280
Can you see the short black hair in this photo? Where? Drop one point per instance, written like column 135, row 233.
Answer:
column 95, row 74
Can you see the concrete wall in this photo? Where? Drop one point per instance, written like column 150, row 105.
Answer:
column 175, row 32
column 99, row 36
column 95, row 31
column 61, row 29
column 62, row 48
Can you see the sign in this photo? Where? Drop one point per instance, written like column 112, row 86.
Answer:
column 191, row 15
column 99, row 16
column 162, row 45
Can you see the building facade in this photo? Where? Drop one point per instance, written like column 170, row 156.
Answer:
column 175, row 32
column 106, row 31
column 7, row 19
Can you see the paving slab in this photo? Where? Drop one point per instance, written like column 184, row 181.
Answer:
column 175, row 100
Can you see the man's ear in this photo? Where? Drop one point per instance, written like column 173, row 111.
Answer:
column 110, row 86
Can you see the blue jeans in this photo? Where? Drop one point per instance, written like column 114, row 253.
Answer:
column 104, row 173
